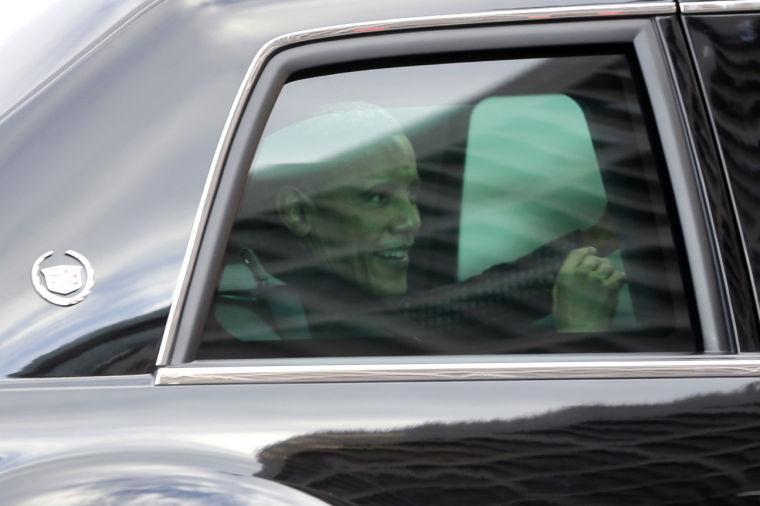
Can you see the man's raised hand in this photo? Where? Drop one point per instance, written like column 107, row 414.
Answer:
column 585, row 294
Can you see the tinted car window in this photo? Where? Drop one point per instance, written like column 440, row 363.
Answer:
column 492, row 206
column 727, row 51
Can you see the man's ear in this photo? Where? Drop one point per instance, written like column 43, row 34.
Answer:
column 293, row 208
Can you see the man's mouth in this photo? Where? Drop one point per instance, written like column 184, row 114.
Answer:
column 398, row 255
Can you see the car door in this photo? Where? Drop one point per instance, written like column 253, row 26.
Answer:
column 441, row 398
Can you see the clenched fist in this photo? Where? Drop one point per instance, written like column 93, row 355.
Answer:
column 585, row 294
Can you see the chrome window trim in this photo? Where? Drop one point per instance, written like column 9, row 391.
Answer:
column 718, row 6
column 604, row 11
column 687, row 367
column 120, row 382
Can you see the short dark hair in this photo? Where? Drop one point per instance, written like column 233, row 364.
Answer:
column 300, row 155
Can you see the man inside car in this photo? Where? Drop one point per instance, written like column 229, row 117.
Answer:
column 337, row 196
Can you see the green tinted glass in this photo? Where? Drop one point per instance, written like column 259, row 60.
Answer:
column 531, row 176
column 481, row 207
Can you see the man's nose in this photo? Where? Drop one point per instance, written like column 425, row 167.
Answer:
column 407, row 218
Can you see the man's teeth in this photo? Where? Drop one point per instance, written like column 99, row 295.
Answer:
column 393, row 254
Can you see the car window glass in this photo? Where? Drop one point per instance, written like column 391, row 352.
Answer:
column 462, row 207
column 513, row 183
column 728, row 58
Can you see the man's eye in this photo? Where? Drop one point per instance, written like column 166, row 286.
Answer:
column 377, row 198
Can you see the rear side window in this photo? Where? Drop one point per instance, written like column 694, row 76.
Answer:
column 461, row 207
column 727, row 50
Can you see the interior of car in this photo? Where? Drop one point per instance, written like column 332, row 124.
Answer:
column 521, row 159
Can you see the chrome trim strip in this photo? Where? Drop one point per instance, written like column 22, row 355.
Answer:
column 473, row 371
column 365, row 28
column 718, row 6
column 78, row 382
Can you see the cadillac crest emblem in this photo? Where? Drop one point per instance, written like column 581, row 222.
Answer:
column 64, row 284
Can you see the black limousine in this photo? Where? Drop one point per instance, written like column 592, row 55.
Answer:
column 340, row 252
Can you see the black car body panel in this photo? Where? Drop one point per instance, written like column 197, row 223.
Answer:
column 560, row 442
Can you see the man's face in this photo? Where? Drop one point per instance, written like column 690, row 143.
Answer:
column 364, row 226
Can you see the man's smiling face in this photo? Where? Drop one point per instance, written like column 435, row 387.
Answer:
column 364, row 226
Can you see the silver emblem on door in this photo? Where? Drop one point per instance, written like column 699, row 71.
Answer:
column 64, row 284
